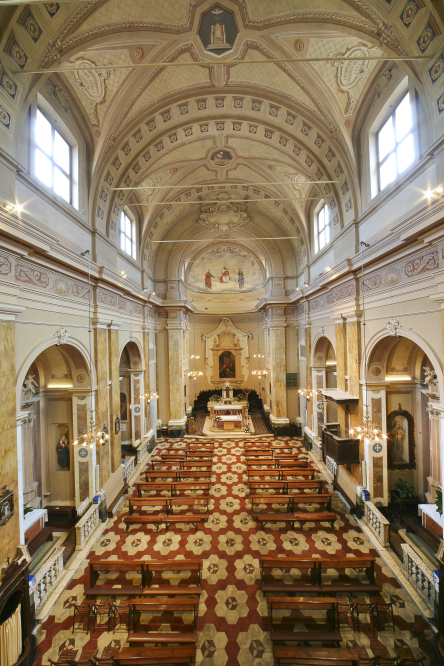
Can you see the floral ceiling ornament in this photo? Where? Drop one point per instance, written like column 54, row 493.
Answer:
column 62, row 97
column 350, row 73
column 223, row 216
column 91, row 83
column 392, row 326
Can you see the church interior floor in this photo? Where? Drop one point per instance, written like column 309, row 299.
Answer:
column 260, row 427
column 233, row 625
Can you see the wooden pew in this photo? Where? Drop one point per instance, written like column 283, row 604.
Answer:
column 300, row 517
column 161, row 591
column 328, row 604
column 313, row 656
column 182, row 464
column 303, row 473
column 173, row 487
column 272, row 499
column 366, row 562
column 138, row 503
column 98, row 566
column 194, row 519
column 168, row 474
column 200, row 475
column 162, row 638
column 316, row 484
column 165, row 655
column 293, row 562
column 160, row 566
column 159, row 605
column 189, row 501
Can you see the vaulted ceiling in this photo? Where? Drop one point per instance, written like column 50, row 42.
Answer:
column 205, row 131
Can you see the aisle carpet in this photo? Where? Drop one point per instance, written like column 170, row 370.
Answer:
column 233, row 621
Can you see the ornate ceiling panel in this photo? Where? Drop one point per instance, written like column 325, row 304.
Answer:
column 123, row 11
column 260, row 9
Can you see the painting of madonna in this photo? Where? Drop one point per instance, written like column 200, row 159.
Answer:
column 62, row 449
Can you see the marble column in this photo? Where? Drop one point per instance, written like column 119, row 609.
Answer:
column 10, row 532
column 377, row 450
column 114, row 395
column 308, row 378
column 278, row 364
column 177, row 421
column 101, row 399
column 147, row 386
column 354, row 353
column 434, row 480
column 341, row 368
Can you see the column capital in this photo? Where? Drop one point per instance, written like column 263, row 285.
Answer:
column 9, row 311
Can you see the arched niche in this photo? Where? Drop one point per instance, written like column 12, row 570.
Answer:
column 50, row 387
column 403, row 404
column 323, row 362
column 132, row 412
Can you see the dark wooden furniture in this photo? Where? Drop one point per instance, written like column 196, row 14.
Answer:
column 168, row 503
column 155, row 637
column 343, row 450
column 397, row 504
column 181, row 654
column 312, row 656
column 14, row 590
column 272, row 499
column 298, row 498
column 39, row 539
column 430, row 539
column 160, row 566
column 61, row 516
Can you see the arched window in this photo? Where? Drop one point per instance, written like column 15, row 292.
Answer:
column 395, row 143
column 127, row 235
column 52, row 157
column 322, row 230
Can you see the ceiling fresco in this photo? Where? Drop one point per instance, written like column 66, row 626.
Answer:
column 189, row 126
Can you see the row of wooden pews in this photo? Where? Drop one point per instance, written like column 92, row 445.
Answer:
column 283, row 474
column 168, row 475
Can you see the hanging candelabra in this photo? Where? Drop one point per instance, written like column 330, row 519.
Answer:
column 93, row 433
column 194, row 374
column 259, row 372
column 308, row 393
column 365, row 429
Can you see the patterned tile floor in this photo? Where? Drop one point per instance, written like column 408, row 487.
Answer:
column 233, row 621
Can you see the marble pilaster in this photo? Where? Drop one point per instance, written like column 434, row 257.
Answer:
column 147, row 386
column 278, row 416
column 308, row 379
column 114, row 396
column 354, row 354
column 177, row 422
column 101, row 399
column 341, row 366
column 10, row 532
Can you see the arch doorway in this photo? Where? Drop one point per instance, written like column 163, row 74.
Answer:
column 402, row 394
column 55, row 384
column 131, row 401
column 324, row 376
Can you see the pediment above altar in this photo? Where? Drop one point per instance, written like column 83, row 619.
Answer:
column 227, row 355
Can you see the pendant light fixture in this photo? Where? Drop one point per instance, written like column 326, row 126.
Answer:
column 93, row 434
column 365, row 429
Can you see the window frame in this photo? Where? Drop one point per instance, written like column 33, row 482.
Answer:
column 324, row 206
column 412, row 131
column 133, row 240
column 70, row 175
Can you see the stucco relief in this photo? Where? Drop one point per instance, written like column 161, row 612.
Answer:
column 426, row 262
column 91, row 82
column 350, row 73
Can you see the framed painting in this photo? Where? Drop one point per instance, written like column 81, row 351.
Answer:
column 401, row 440
column 6, row 505
column 227, row 365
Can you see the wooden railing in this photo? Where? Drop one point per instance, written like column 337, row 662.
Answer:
column 378, row 524
column 419, row 575
column 343, row 450
column 47, row 577
column 86, row 526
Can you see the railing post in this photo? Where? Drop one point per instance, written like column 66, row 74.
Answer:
column 86, row 526
column 377, row 523
column 47, row 577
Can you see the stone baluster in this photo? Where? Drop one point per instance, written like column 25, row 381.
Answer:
column 86, row 526
column 419, row 575
column 317, row 449
column 377, row 523
column 47, row 577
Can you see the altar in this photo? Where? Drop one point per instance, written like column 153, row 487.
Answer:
column 228, row 413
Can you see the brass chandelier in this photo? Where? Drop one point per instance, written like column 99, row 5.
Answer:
column 365, row 429
column 93, row 434
column 194, row 374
